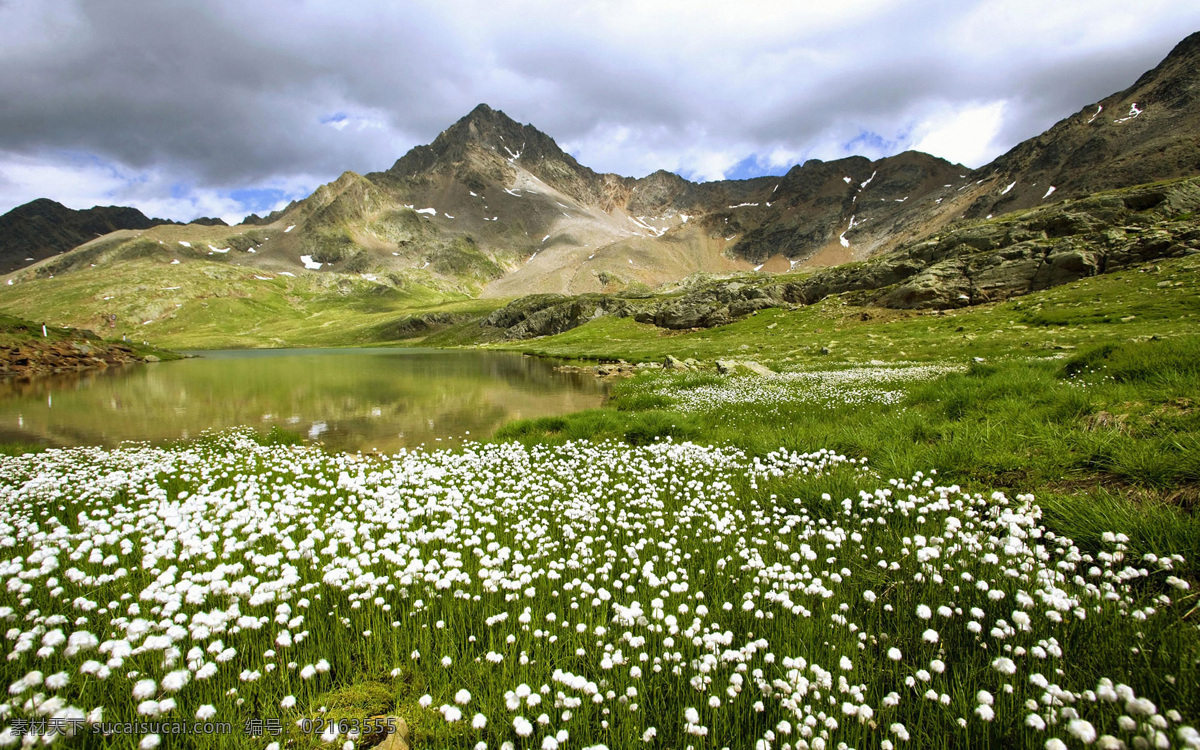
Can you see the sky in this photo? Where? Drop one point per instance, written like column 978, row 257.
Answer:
column 226, row 107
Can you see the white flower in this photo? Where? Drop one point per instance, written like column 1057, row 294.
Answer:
column 462, row 697
column 1004, row 665
column 522, row 727
column 894, row 654
column 900, row 731
column 288, row 702
column 206, row 712
column 692, row 716
column 150, row 741
column 479, row 721
column 173, row 682
column 426, row 701
column 1082, row 731
column 208, row 670
column 930, row 636
column 924, row 612
column 144, row 689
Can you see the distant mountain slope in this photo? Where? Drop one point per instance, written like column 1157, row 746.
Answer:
column 515, row 190
column 43, row 228
column 1150, row 131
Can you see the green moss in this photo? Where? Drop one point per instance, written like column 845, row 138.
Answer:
column 462, row 257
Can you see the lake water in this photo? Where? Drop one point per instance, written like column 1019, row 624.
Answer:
column 348, row 399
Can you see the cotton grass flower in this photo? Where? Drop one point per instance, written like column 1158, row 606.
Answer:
column 144, row 689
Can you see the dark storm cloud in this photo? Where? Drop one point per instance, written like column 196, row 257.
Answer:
column 229, row 97
column 184, row 106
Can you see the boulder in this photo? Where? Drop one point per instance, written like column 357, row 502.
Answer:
column 399, row 740
column 672, row 363
column 686, row 313
column 756, row 368
column 941, row 285
column 740, row 367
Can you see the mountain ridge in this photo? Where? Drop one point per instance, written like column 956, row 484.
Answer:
column 44, row 227
column 495, row 208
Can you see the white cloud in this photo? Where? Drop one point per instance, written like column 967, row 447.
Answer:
column 81, row 182
column 964, row 134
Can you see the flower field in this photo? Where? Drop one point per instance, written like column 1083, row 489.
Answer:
column 881, row 384
column 583, row 595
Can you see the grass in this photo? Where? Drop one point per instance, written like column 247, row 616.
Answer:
column 606, row 590
column 206, row 305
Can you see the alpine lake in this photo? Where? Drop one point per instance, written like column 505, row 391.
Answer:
column 369, row 400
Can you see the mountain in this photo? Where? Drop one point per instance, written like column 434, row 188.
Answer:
column 1148, row 132
column 594, row 227
column 43, row 228
column 495, row 208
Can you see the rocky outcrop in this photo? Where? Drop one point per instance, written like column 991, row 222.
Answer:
column 1049, row 248
column 420, row 325
column 548, row 314
column 33, row 358
column 29, row 350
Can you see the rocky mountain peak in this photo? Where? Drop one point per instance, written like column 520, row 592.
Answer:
column 1188, row 48
column 482, row 128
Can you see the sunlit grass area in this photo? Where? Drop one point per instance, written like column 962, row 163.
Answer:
column 203, row 305
column 731, row 570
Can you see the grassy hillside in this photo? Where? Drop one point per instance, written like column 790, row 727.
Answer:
column 204, row 305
